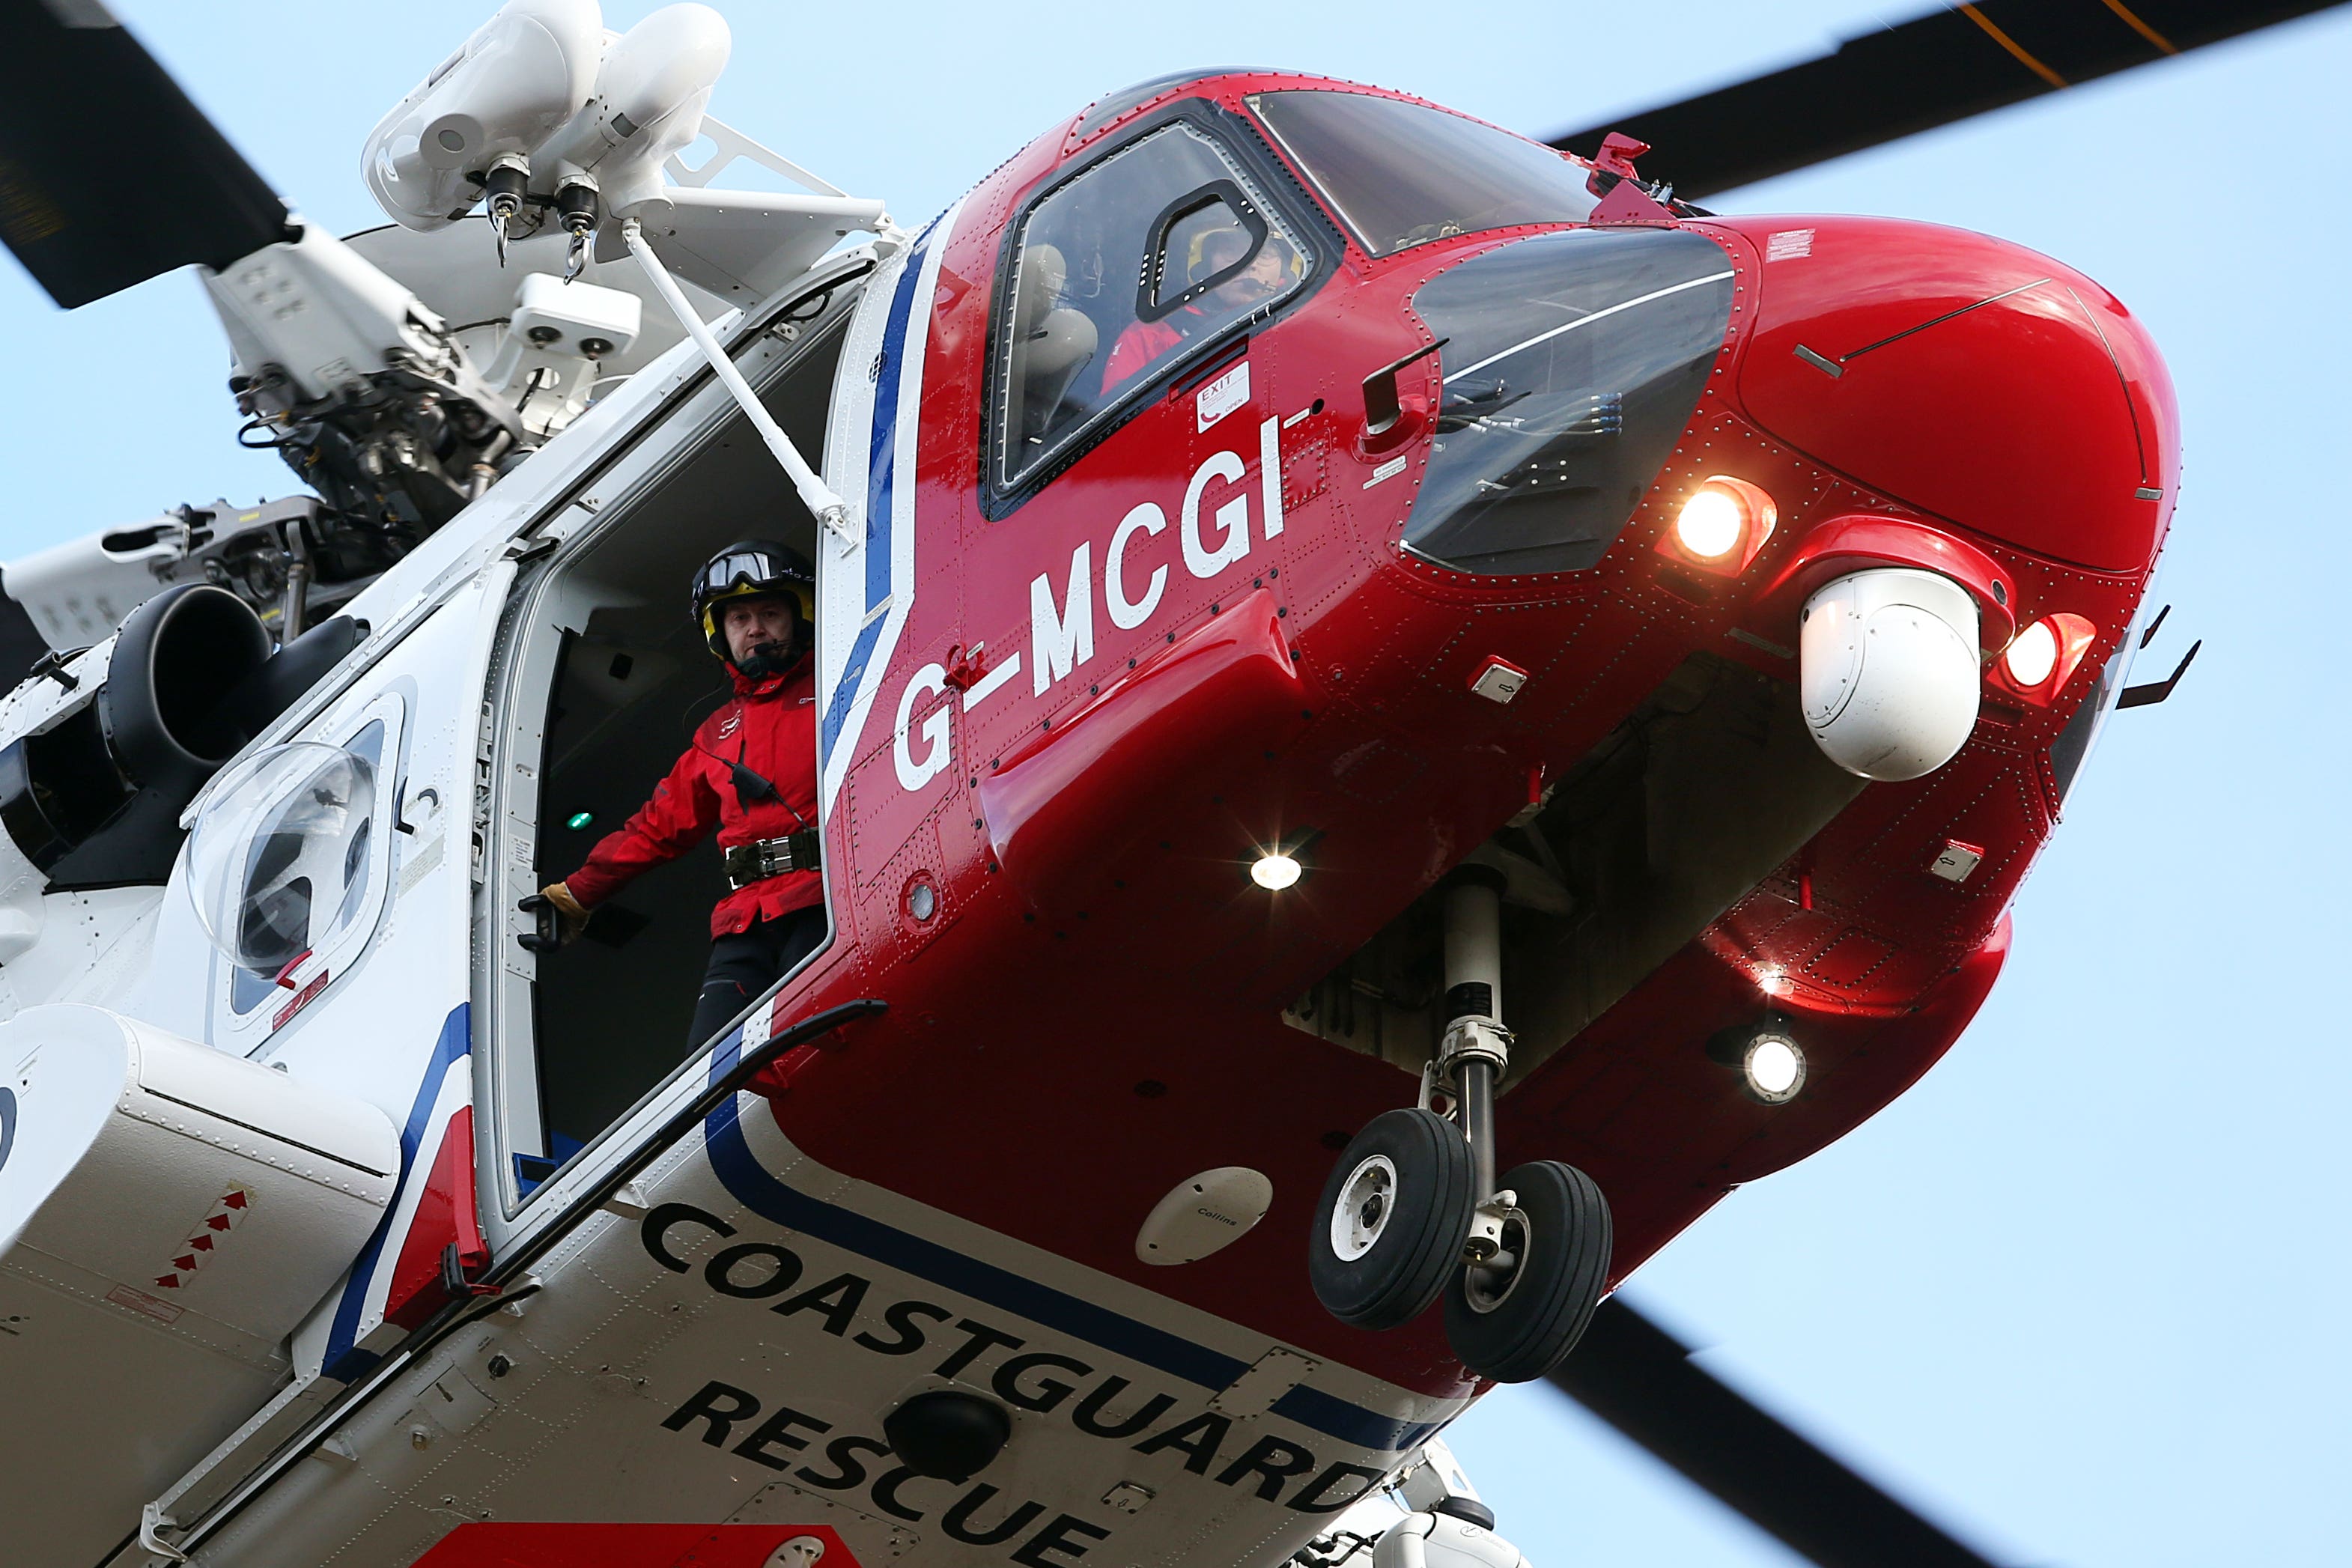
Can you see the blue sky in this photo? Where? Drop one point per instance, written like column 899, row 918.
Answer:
column 2080, row 1291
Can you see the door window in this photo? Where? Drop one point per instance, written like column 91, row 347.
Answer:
column 1137, row 263
column 307, row 878
column 290, row 863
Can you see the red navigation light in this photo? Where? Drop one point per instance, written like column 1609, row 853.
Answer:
column 1722, row 526
column 2042, row 657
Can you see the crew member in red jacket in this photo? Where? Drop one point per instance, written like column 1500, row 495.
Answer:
column 750, row 772
column 1145, row 343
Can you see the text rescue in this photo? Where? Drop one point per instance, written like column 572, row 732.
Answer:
column 722, row 1414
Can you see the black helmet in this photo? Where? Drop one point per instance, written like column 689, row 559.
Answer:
column 749, row 569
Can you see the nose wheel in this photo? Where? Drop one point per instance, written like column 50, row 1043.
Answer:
column 1394, row 1212
column 1516, row 1316
column 1413, row 1209
column 1394, row 1231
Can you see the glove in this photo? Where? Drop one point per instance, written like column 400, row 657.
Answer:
column 571, row 914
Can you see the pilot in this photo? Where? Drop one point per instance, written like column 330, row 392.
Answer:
column 750, row 772
column 1144, row 344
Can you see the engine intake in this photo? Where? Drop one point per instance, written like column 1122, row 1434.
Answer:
column 162, row 708
column 95, row 799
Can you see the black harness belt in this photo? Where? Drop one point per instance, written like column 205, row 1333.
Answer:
column 765, row 857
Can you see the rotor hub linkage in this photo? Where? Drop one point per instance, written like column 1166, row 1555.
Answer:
column 504, row 189
column 576, row 209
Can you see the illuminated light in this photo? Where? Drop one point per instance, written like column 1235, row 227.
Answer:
column 1711, row 523
column 1772, row 980
column 1275, row 872
column 1723, row 525
column 2040, row 662
column 1774, row 1066
column 2033, row 658
column 579, row 820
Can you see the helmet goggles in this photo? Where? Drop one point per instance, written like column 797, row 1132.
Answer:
column 751, row 570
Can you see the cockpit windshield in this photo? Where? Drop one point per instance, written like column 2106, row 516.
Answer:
column 1111, row 105
column 1401, row 174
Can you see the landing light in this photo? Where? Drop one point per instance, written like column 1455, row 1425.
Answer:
column 2040, row 661
column 2032, row 655
column 1771, row 1064
column 1775, row 1068
column 1711, row 523
column 1275, row 872
column 1723, row 525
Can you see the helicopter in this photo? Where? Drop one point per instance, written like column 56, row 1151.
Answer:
column 424, row 1266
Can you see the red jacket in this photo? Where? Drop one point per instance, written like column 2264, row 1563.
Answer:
column 1145, row 343
column 769, row 728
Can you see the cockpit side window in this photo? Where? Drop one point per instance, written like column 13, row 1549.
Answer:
column 1135, row 264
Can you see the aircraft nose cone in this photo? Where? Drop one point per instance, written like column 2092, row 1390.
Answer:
column 1968, row 377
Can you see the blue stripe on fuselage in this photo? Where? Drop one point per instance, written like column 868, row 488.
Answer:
column 881, row 482
column 882, row 457
column 760, row 1190
column 340, row 1360
column 852, row 673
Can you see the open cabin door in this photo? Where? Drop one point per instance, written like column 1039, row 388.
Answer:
column 600, row 679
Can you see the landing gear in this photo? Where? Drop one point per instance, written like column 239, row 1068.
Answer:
column 1413, row 1209
column 1394, row 1215
column 1516, row 1316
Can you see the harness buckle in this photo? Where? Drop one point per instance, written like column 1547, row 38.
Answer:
column 765, row 857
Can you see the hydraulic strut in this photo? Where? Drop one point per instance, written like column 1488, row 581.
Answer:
column 1476, row 1048
column 815, row 494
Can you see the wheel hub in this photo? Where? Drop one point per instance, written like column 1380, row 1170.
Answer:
column 1366, row 1202
column 1487, row 1286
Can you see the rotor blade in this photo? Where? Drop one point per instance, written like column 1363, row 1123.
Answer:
column 109, row 176
column 1914, row 77
column 1641, row 1380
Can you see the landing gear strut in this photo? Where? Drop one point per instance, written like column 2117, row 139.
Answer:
column 1414, row 1208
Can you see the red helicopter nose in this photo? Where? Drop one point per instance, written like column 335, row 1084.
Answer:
column 1967, row 377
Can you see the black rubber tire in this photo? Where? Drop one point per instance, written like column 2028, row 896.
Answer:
column 1561, row 1239
column 1415, row 1243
